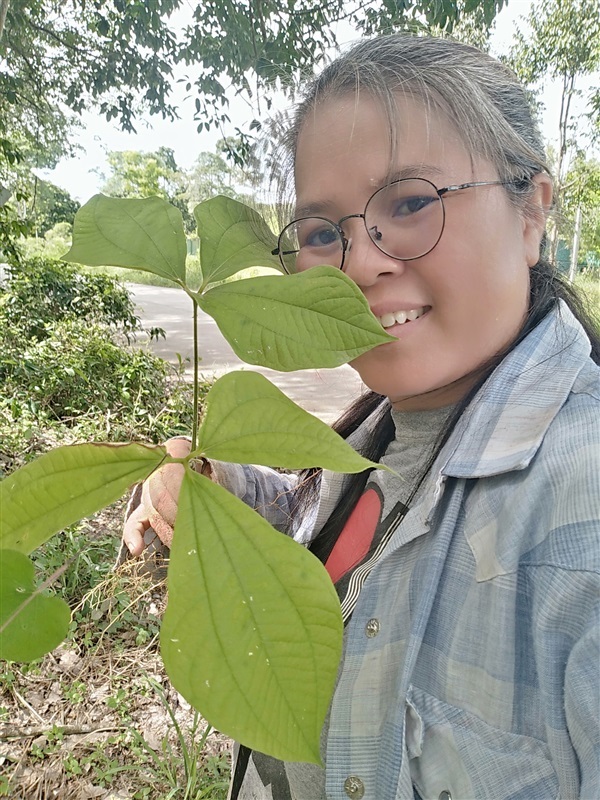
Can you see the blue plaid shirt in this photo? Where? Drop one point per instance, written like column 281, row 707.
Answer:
column 472, row 661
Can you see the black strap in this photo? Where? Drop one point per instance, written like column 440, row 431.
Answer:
column 241, row 765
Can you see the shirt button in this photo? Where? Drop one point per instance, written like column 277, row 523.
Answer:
column 445, row 795
column 372, row 628
column 354, row 787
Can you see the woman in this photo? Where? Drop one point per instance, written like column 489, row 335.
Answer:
column 470, row 587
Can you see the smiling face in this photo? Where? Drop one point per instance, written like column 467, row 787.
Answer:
column 464, row 301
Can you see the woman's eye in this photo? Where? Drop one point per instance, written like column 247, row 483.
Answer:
column 410, row 205
column 321, row 237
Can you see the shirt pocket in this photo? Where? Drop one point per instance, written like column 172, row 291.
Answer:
column 455, row 755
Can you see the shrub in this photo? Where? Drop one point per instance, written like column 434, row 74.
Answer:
column 41, row 291
column 68, row 372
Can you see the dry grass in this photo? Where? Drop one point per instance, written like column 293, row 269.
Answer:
column 98, row 718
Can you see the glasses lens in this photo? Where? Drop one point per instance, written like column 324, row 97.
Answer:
column 405, row 219
column 310, row 242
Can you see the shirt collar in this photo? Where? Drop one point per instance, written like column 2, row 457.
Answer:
column 504, row 425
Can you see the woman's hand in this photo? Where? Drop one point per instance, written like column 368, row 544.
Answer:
column 157, row 508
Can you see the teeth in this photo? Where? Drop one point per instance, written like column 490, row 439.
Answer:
column 400, row 317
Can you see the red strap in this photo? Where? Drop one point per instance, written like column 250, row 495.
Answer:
column 356, row 537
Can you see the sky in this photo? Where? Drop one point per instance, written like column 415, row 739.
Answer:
column 82, row 176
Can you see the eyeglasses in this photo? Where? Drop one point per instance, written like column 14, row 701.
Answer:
column 405, row 220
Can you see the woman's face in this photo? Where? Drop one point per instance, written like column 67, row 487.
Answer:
column 470, row 293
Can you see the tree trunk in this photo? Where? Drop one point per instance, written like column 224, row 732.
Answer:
column 575, row 251
column 3, row 12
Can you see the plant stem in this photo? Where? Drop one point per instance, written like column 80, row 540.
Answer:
column 196, row 388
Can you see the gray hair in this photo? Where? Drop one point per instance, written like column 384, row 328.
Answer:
column 479, row 95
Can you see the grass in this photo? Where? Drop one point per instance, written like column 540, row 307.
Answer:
column 98, row 718
column 193, row 274
column 589, row 284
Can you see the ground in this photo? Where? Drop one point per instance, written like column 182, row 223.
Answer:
column 98, row 717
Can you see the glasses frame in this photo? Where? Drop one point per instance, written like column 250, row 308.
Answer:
column 456, row 187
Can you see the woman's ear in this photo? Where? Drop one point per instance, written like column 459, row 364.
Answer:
column 534, row 221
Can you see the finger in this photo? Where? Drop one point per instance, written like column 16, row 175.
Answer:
column 178, row 447
column 133, row 530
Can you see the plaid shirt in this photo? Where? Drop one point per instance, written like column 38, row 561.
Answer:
column 472, row 662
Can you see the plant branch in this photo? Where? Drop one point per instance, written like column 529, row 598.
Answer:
column 13, row 732
column 196, row 387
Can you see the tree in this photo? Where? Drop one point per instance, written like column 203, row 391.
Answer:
column 51, row 206
column 210, row 175
column 473, row 25
column 57, row 59
column 119, row 56
column 581, row 190
column 564, row 44
column 138, row 174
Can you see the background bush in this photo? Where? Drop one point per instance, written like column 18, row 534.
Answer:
column 69, row 369
column 41, row 291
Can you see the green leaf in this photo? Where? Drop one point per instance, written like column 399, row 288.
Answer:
column 67, row 484
column 144, row 234
column 31, row 624
column 249, row 420
column 252, row 633
column 318, row 318
column 232, row 237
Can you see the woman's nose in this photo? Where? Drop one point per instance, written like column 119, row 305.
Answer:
column 365, row 263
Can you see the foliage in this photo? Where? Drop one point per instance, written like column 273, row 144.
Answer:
column 52, row 206
column 42, row 291
column 64, row 369
column 76, row 370
column 53, row 244
column 138, row 739
column 219, row 542
column 137, row 174
column 212, row 175
column 275, row 43
column 581, row 189
column 564, row 44
column 119, row 56
column 473, row 25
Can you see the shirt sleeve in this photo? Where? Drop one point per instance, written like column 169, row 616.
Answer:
column 267, row 491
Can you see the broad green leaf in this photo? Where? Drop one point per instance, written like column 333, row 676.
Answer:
column 318, row 318
column 233, row 236
column 67, row 484
column 252, row 632
column 144, row 234
column 249, row 420
column 31, row 624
